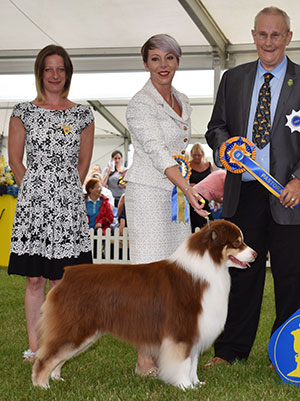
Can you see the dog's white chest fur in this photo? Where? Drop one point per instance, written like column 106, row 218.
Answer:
column 214, row 300
column 212, row 319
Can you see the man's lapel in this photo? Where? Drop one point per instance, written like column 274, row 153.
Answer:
column 247, row 89
column 289, row 88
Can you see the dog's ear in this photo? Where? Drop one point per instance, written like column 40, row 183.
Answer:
column 217, row 235
column 214, row 235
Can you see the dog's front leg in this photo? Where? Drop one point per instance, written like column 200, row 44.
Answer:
column 194, row 366
column 182, row 377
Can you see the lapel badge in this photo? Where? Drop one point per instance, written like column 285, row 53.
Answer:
column 293, row 121
column 290, row 82
column 66, row 128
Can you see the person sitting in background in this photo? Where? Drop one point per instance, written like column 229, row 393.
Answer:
column 113, row 176
column 122, row 214
column 98, row 208
column 211, row 188
column 105, row 191
column 200, row 168
column 96, row 169
column 96, row 172
column 122, row 223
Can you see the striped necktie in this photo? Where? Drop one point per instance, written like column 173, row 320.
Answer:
column 262, row 120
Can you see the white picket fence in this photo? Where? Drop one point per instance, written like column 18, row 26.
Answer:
column 111, row 247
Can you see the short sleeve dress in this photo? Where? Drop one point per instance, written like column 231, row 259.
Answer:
column 50, row 228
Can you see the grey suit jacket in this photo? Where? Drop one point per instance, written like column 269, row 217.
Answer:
column 157, row 133
column 230, row 118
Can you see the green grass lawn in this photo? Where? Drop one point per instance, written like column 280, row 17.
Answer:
column 106, row 371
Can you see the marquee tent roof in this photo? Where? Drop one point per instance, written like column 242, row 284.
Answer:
column 106, row 36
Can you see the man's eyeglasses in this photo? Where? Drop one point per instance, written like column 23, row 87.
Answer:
column 275, row 36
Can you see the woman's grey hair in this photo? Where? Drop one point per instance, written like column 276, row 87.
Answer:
column 162, row 42
column 274, row 11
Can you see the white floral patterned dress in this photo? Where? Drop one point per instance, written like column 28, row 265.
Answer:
column 50, row 228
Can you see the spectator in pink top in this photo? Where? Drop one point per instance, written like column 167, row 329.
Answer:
column 212, row 187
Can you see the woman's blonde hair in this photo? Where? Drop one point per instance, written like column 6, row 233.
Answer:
column 39, row 67
column 199, row 147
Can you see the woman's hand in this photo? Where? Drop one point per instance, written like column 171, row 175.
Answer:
column 109, row 168
column 196, row 201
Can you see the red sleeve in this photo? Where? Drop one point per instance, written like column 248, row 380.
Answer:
column 105, row 216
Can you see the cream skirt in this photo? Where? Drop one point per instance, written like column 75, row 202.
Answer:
column 152, row 234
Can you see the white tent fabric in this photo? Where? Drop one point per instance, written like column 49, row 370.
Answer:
column 106, row 36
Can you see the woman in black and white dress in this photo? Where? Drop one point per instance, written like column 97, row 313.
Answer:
column 50, row 228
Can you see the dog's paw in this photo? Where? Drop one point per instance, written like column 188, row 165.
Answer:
column 57, row 377
column 196, row 382
column 194, row 379
column 186, row 386
column 44, row 386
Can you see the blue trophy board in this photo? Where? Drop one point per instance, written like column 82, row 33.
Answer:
column 284, row 350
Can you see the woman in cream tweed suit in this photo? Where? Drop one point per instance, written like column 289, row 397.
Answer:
column 158, row 119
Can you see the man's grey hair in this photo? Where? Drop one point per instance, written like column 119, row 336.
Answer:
column 274, row 11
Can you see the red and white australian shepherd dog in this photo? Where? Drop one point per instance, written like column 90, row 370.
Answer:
column 176, row 307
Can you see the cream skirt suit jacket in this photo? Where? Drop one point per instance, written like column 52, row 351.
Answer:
column 157, row 133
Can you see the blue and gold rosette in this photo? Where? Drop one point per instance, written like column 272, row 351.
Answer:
column 180, row 210
column 238, row 154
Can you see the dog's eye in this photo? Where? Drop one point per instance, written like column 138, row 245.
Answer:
column 237, row 243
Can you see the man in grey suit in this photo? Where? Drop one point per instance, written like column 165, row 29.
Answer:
column 268, row 223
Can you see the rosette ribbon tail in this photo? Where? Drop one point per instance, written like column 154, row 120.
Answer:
column 261, row 175
column 180, row 211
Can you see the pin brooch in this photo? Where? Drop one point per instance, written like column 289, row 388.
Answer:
column 66, row 128
column 290, row 82
column 293, row 121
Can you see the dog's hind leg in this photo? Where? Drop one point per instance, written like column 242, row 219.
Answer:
column 175, row 364
column 50, row 362
column 42, row 369
column 55, row 374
